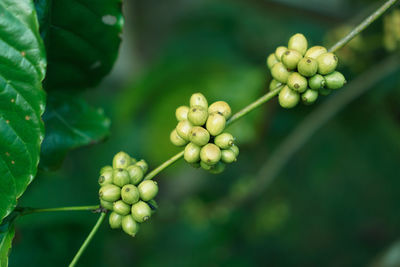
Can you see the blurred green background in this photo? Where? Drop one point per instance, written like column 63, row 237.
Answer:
column 335, row 203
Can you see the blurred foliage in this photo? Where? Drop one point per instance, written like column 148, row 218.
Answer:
column 335, row 203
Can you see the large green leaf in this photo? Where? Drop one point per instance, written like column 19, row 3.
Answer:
column 70, row 123
column 82, row 39
column 22, row 100
column 5, row 245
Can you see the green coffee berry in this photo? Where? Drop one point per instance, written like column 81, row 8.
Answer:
column 291, row 58
column 129, row 225
column 235, row 150
column 120, row 177
column 192, row 153
column 210, row 154
column 205, row 166
column 224, row 140
column 297, row 82
column 135, row 173
column 325, row 91
column 105, row 204
column 143, row 164
column 130, row 194
column 316, row 82
column 183, row 129
column 141, row 212
column 115, row 220
column 148, row 190
column 121, row 207
column 307, row 67
column 133, row 161
column 288, row 98
column 228, row 156
column 315, row 51
column 335, row 80
column 105, row 169
column 309, row 96
column 121, row 160
column 280, row 73
column 199, row 136
column 327, row 63
column 197, row 115
column 198, row 99
column 217, row 168
column 274, row 84
column 215, row 124
column 279, row 52
column 176, row 139
column 110, row 192
column 299, row 43
column 271, row 60
column 181, row 113
column 106, row 177
column 220, row 107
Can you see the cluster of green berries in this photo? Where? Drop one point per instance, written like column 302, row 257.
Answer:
column 201, row 130
column 303, row 72
column 124, row 192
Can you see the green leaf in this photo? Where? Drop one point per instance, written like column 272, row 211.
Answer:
column 22, row 100
column 70, row 123
column 82, row 39
column 5, row 245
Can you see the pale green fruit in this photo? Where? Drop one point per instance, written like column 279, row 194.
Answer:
column 280, row 73
column 335, row 80
column 228, row 156
column 121, row 160
column 105, row 169
column 315, row 51
column 148, row 190
column 181, row 113
column 307, row 67
column 192, row 153
column 130, row 194
column 279, row 52
column 199, row 136
column 141, row 212
column 224, row 140
column 309, row 96
column 297, row 82
column 135, row 173
column 115, row 220
column 288, row 98
column 274, row 84
column 110, row 192
column 210, row 154
column 197, row 115
column 176, row 139
column 143, row 164
column 316, row 82
column 291, row 58
column 271, row 60
column 121, row 207
column 215, row 124
column 106, row 177
column 198, row 99
column 183, row 129
column 299, row 43
column 220, row 107
column 121, row 177
column 129, row 225
column 327, row 63
column 105, row 204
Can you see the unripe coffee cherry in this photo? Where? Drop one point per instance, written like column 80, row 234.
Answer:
column 148, row 190
column 324, row 91
column 115, row 220
column 297, row 82
column 141, row 212
column 215, row 124
column 220, row 107
column 176, row 139
column 181, row 113
column 199, row 136
column 224, row 140
column 309, row 96
column 105, row 169
column 307, row 67
column 129, row 225
column 327, row 63
column 121, row 177
column 271, row 60
column 183, row 129
column 299, row 43
column 121, row 160
column 291, row 58
column 110, row 192
column 143, row 164
column 121, row 207
column 316, row 82
column 197, row 115
column 210, row 154
column 274, row 84
column 315, row 51
column 198, row 99
column 106, row 178
column 228, row 156
column 135, row 173
column 130, row 194
column 105, row 204
column 235, row 150
column 133, row 161
column 288, row 98
column 335, row 80
column 279, row 52
column 192, row 153
column 280, row 73
column 217, row 168
column 205, row 166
